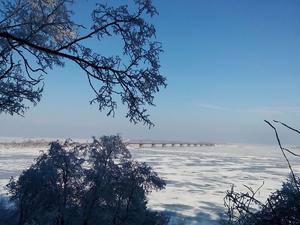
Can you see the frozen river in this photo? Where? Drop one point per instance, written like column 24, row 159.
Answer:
column 197, row 177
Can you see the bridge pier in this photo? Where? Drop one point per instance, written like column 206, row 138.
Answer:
column 153, row 144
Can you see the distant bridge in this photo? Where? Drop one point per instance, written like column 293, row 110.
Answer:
column 167, row 144
column 133, row 143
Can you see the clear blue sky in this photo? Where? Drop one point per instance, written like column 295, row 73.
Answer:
column 229, row 65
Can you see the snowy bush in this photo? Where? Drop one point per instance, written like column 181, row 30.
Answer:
column 281, row 208
column 84, row 184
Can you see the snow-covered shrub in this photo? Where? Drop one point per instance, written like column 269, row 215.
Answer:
column 281, row 208
column 85, row 184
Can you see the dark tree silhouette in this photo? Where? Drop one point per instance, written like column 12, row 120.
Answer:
column 84, row 184
column 37, row 35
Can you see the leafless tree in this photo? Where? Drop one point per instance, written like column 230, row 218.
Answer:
column 37, row 35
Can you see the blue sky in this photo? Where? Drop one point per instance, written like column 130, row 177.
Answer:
column 229, row 65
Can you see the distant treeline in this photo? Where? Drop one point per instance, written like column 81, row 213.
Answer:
column 24, row 144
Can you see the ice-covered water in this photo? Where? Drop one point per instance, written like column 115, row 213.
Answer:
column 197, row 177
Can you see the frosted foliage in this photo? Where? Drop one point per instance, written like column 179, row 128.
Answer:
column 84, row 184
column 36, row 35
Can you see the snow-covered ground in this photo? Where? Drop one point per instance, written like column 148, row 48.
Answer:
column 197, row 177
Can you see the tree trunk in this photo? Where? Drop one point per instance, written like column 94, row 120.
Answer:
column 21, row 217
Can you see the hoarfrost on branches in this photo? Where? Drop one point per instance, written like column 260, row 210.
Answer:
column 37, row 35
column 84, row 184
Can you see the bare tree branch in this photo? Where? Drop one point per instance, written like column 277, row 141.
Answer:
column 283, row 153
column 287, row 126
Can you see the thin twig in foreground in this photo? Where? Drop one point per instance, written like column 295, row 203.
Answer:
column 284, row 155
